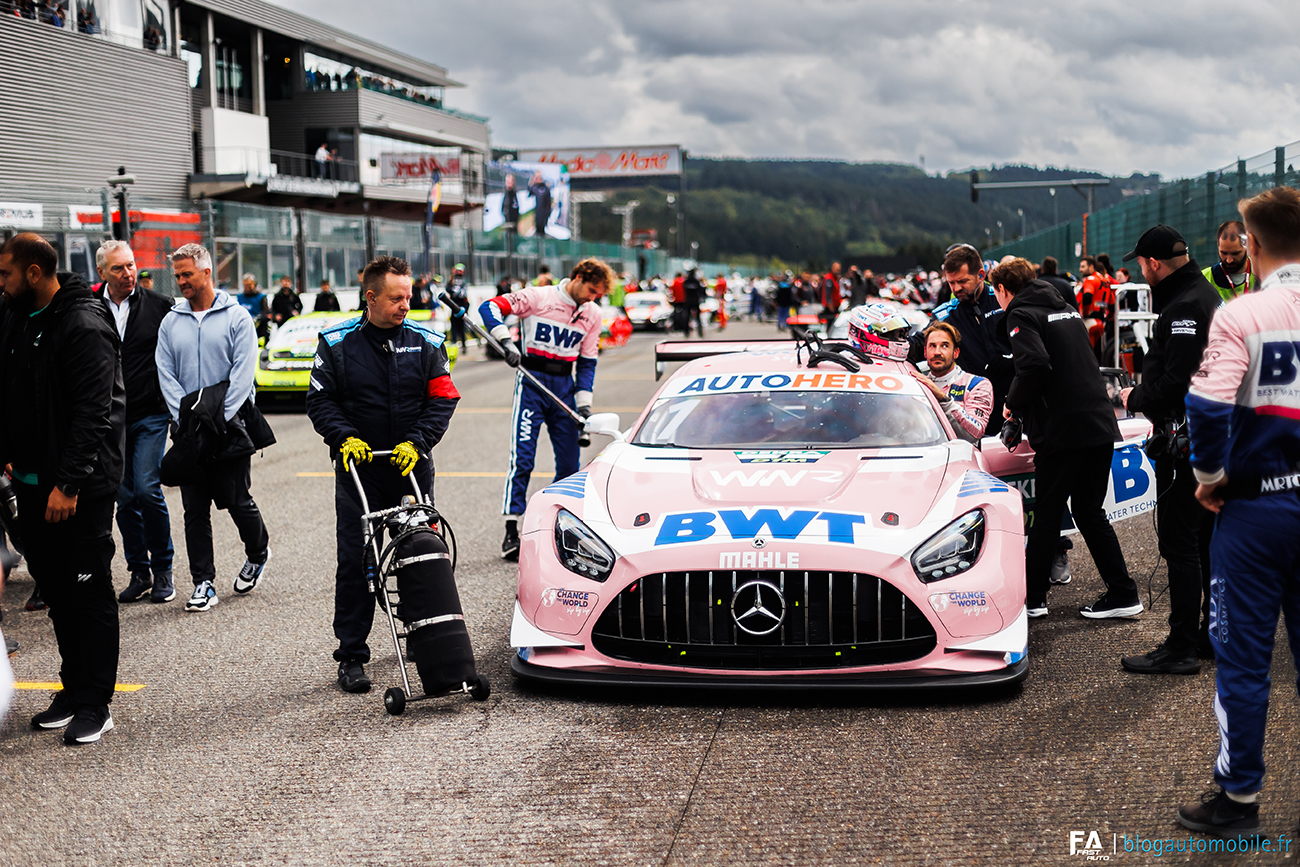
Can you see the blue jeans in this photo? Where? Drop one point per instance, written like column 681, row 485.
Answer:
column 141, row 510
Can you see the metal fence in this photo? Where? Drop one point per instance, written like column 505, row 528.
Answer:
column 1194, row 206
column 308, row 246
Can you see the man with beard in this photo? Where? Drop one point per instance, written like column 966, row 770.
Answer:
column 966, row 399
column 61, row 387
column 976, row 315
column 1233, row 274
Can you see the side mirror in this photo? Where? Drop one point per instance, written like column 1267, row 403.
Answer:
column 605, row 424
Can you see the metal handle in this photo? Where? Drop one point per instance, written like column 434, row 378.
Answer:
column 361, row 491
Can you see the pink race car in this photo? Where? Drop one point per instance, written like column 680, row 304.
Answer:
column 775, row 521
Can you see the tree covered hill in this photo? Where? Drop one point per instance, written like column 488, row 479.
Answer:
column 810, row 212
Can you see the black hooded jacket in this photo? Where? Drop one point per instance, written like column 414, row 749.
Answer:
column 1058, row 391
column 61, row 390
column 1186, row 303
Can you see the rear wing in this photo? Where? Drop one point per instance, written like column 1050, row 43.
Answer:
column 669, row 351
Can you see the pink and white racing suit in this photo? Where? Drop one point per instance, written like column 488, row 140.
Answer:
column 969, row 402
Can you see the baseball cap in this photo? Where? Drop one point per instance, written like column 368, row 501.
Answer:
column 459, row 266
column 146, row 275
column 1159, row 242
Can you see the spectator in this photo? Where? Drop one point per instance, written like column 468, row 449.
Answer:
column 1059, row 394
column 326, row 300
column 286, row 304
column 144, row 280
column 857, row 287
column 693, row 292
column 229, row 356
column 256, row 304
column 1055, row 280
column 977, row 316
column 322, row 160
column 1232, row 275
column 141, row 509
column 62, row 383
column 1244, row 427
column 785, row 300
column 544, row 277
column 510, row 204
column 458, row 289
column 966, row 399
column 1186, row 302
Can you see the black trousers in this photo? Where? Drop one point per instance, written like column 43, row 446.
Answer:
column 1082, row 477
column 71, row 562
column 227, row 486
column 1184, row 527
column 354, row 604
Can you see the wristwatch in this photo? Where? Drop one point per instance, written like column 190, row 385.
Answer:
column 69, row 490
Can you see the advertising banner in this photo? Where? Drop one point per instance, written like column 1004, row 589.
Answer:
column 419, row 166
column 535, row 198
column 643, row 161
column 16, row 215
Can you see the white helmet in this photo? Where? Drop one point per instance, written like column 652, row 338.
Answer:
column 879, row 330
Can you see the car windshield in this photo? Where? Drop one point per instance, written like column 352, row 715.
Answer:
column 636, row 299
column 792, row 419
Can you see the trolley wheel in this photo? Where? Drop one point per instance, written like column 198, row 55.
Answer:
column 480, row 690
column 395, row 701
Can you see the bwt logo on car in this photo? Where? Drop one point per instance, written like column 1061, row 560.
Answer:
column 698, row 526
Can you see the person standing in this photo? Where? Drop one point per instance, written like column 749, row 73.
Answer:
column 1243, row 416
column 209, row 318
column 560, row 328
column 784, row 299
column 966, row 399
column 254, row 301
column 830, row 295
column 1050, row 276
column 61, row 387
column 977, row 316
column 1185, row 303
column 286, row 304
column 326, row 300
column 693, row 292
column 379, row 382
column 1059, row 394
column 459, row 292
column 141, row 509
column 541, row 193
column 1232, row 275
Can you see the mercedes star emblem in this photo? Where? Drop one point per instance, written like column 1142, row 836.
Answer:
column 758, row 607
column 759, row 542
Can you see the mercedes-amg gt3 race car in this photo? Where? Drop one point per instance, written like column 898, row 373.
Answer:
column 771, row 520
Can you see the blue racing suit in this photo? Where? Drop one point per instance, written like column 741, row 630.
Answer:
column 560, row 341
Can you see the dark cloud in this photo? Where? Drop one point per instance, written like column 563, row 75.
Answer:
column 1105, row 84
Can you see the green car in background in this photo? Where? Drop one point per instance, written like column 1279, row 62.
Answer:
column 284, row 364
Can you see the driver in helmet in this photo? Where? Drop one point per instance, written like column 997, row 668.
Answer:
column 880, row 331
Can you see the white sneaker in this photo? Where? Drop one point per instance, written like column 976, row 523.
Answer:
column 205, row 596
column 251, row 574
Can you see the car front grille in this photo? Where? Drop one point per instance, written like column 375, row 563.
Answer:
column 832, row 620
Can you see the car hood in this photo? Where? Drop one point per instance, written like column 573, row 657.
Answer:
column 895, row 487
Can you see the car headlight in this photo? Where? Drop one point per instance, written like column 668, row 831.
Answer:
column 952, row 550
column 580, row 550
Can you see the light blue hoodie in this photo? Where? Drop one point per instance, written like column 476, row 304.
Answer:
column 195, row 352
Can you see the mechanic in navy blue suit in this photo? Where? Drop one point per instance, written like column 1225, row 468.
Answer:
column 560, row 327
column 379, row 381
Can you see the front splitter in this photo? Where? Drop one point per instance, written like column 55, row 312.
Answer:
column 919, row 679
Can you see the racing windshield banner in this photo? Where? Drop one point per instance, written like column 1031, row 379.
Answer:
column 734, row 383
column 1132, row 489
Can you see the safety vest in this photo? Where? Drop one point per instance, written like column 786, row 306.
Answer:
column 1220, row 281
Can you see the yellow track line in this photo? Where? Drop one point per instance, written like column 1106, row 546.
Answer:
column 121, row 687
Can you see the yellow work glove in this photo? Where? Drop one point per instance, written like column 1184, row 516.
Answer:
column 404, row 457
column 354, row 450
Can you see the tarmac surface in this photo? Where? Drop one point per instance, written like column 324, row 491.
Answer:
column 241, row 749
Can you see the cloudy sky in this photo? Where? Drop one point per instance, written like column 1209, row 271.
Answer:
column 1112, row 85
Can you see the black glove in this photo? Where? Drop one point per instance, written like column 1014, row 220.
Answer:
column 584, row 411
column 510, row 352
